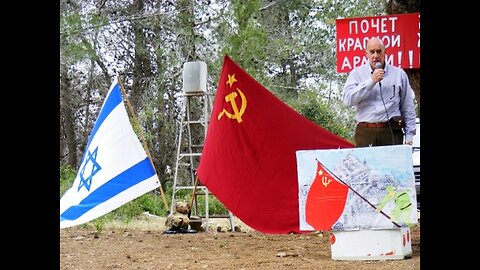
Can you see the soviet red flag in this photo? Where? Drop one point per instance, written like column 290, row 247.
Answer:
column 248, row 160
column 325, row 200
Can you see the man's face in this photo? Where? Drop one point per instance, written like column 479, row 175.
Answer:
column 375, row 53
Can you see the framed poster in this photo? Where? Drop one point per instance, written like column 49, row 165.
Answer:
column 356, row 188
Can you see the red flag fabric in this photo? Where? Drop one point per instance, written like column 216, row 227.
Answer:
column 248, row 160
column 325, row 200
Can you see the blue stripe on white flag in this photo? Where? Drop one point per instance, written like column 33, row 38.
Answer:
column 113, row 99
column 134, row 175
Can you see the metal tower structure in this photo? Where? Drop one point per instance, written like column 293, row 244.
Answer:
column 193, row 129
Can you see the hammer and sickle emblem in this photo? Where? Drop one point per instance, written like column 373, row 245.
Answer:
column 324, row 178
column 237, row 114
column 325, row 182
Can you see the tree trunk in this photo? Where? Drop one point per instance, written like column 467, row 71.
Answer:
column 66, row 113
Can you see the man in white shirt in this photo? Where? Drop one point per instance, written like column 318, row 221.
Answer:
column 379, row 92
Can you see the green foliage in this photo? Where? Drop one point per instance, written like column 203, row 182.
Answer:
column 67, row 176
column 311, row 105
column 99, row 223
column 287, row 46
column 247, row 38
column 181, row 195
column 215, row 207
column 152, row 203
column 128, row 211
column 75, row 46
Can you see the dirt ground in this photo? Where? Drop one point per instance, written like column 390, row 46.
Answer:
column 144, row 245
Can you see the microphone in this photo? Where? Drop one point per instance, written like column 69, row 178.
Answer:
column 378, row 65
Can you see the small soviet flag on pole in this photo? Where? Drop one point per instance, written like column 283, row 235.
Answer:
column 326, row 200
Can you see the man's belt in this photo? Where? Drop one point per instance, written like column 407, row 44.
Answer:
column 373, row 125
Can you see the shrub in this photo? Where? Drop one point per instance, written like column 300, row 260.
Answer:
column 67, row 176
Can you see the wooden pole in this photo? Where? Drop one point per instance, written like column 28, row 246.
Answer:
column 193, row 196
column 142, row 138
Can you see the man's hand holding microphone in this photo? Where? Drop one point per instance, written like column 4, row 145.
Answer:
column 378, row 73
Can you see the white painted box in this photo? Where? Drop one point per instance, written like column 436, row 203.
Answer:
column 374, row 244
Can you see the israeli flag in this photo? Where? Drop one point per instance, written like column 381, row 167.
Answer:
column 115, row 168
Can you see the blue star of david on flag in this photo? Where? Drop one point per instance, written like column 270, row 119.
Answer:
column 93, row 168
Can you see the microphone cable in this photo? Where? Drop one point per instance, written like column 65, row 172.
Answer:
column 386, row 112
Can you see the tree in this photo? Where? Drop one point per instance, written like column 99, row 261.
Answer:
column 407, row 6
column 288, row 46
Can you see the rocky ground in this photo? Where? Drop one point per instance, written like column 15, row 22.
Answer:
column 142, row 244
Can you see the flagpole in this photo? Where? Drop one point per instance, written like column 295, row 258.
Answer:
column 141, row 137
column 376, row 209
